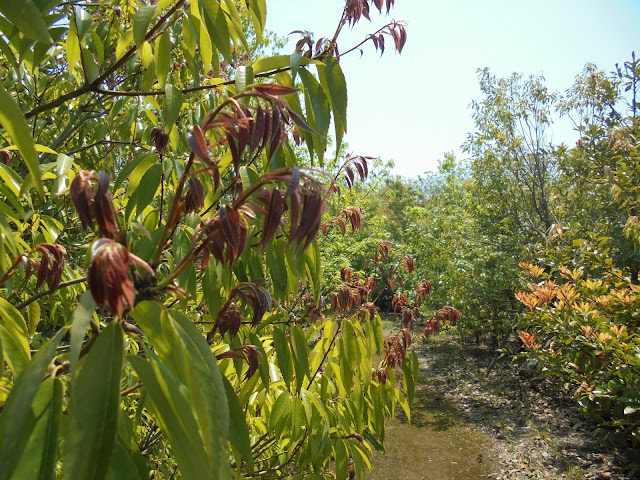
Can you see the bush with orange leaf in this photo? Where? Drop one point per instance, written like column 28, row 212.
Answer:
column 581, row 326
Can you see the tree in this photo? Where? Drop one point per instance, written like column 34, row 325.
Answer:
column 581, row 322
column 513, row 162
column 162, row 306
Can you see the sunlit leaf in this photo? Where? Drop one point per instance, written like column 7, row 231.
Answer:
column 27, row 18
column 141, row 21
column 95, row 401
column 16, row 420
column 13, row 121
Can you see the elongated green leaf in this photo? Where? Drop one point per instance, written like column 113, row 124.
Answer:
column 280, row 61
column 408, row 381
column 16, row 420
column 8, row 53
column 319, row 101
column 133, row 173
column 281, row 413
column 278, row 271
column 236, row 29
column 13, row 121
column 39, row 148
column 258, row 16
column 39, row 457
column 122, row 466
column 244, row 77
column 295, row 64
column 163, row 59
column 300, row 349
column 173, row 104
column 141, row 21
column 33, row 314
column 93, row 410
column 342, row 458
column 318, row 111
column 238, row 430
column 27, row 18
column 215, row 20
column 63, row 163
column 80, row 322
column 186, row 353
column 83, row 21
column 148, row 187
column 333, row 81
column 15, row 340
column 172, row 411
column 285, row 362
column 91, row 71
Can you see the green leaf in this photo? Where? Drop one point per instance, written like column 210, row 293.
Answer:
column 280, row 61
column 408, row 381
column 244, row 77
column 295, row 64
column 17, row 421
column 80, row 322
column 27, row 18
column 33, row 314
column 14, row 122
column 93, row 409
column 342, row 459
column 278, row 270
column 216, row 23
column 146, row 54
column 123, row 43
column 63, row 164
column 173, row 104
column 122, row 466
column 163, row 59
column 184, row 350
column 72, row 48
column 258, row 16
column 281, row 412
column 83, row 21
column 148, row 187
column 285, row 362
column 91, row 70
column 333, row 81
column 14, row 334
column 40, row 455
column 300, row 354
column 173, row 413
column 141, row 21
column 238, row 430
column 318, row 111
column 145, row 161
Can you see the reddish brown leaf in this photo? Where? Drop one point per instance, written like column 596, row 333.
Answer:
column 274, row 89
column 273, row 218
column 198, row 143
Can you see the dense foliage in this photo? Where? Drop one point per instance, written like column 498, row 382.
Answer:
column 566, row 215
column 163, row 305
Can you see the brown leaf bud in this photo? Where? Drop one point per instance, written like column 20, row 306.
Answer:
column 194, row 198
column 5, row 156
column 108, row 276
column 160, row 138
column 91, row 196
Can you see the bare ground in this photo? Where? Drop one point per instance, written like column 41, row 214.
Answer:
column 534, row 428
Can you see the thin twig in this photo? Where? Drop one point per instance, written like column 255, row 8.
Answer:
column 37, row 296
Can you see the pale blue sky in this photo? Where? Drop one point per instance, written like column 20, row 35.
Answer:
column 414, row 107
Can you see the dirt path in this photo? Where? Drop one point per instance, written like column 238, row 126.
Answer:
column 517, row 426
